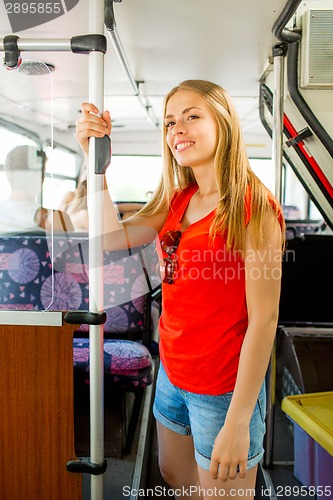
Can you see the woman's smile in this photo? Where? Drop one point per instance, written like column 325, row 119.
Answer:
column 181, row 146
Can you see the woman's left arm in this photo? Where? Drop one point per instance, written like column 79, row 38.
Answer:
column 263, row 282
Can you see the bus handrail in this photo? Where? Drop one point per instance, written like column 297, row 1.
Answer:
column 279, row 28
column 111, row 26
column 292, row 38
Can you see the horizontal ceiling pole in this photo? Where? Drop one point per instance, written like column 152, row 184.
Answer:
column 40, row 44
column 83, row 44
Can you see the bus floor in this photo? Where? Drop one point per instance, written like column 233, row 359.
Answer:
column 133, row 471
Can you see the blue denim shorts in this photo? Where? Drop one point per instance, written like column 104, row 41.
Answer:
column 202, row 417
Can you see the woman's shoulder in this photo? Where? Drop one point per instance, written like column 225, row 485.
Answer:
column 252, row 196
column 66, row 199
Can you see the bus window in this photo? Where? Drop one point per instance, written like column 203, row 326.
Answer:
column 133, row 178
column 264, row 169
column 295, row 200
column 62, row 173
column 295, row 195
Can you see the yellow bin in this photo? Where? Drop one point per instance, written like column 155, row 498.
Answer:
column 312, row 415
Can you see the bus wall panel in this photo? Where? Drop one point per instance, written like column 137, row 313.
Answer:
column 37, row 413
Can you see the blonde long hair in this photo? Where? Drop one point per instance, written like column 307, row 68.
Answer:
column 234, row 176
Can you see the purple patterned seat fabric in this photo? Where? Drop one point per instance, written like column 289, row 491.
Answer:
column 128, row 363
column 27, row 283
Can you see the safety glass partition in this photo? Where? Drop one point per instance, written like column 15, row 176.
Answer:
column 26, row 244
column 128, row 275
column 49, row 269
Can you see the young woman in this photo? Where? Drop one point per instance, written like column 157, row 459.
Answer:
column 222, row 235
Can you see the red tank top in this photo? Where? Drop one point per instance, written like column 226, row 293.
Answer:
column 204, row 316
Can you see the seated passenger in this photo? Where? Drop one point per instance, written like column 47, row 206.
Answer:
column 20, row 212
column 291, row 212
column 74, row 203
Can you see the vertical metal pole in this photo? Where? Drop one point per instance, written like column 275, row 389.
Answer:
column 279, row 53
column 96, row 301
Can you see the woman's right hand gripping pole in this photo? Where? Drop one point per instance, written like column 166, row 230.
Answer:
column 90, row 124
